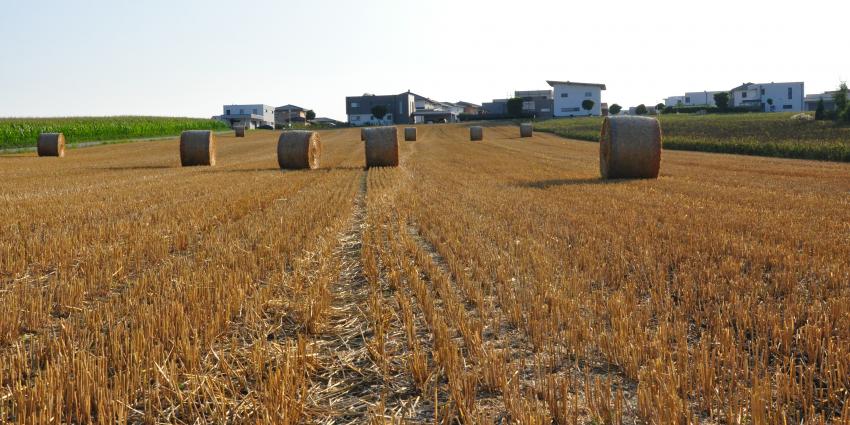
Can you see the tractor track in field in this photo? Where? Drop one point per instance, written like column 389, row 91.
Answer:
column 346, row 382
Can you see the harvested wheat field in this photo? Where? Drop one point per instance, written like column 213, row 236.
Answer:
column 492, row 282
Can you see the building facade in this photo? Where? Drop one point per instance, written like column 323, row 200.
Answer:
column 537, row 103
column 770, row 97
column 249, row 116
column 400, row 108
column 497, row 106
column 569, row 96
column 812, row 100
column 287, row 114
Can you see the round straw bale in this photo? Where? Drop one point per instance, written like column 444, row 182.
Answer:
column 363, row 134
column 299, row 149
column 51, row 144
column 630, row 147
column 382, row 147
column 197, row 147
column 476, row 133
column 410, row 134
column 240, row 131
column 526, row 129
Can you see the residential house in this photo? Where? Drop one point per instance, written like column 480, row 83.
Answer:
column 769, row 97
column 699, row 98
column 249, row 116
column 469, row 108
column 828, row 97
column 496, row 107
column 537, row 103
column 400, row 108
column 287, row 114
column 674, row 101
column 569, row 96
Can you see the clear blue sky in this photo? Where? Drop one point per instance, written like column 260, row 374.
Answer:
column 188, row 58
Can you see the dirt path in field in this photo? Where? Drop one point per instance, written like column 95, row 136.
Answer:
column 347, row 382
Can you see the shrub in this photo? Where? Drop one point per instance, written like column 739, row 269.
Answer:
column 615, row 109
column 587, row 104
column 721, row 100
column 641, row 109
column 819, row 112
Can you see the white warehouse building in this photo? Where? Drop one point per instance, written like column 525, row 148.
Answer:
column 250, row 116
column 570, row 95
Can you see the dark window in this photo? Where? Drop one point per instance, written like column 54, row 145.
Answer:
column 789, row 93
column 565, row 95
column 744, row 94
column 227, row 112
column 787, row 106
column 762, row 92
column 687, row 99
column 588, row 94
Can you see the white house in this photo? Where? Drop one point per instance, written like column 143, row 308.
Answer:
column 700, row 98
column 674, row 101
column 770, row 97
column 250, row 116
column 570, row 95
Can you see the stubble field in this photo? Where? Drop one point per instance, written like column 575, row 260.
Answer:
column 479, row 282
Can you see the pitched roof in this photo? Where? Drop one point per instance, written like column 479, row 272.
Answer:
column 290, row 107
column 553, row 83
column 742, row 87
column 462, row 103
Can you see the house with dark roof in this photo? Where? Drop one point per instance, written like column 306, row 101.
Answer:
column 570, row 97
column 770, row 97
column 287, row 114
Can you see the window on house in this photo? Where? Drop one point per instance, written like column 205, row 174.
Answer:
column 544, row 110
column 787, row 106
column 588, row 94
column 227, row 112
column 569, row 109
column 528, row 106
column 762, row 92
column 687, row 99
column 790, row 91
column 744, row 94
column 565, row 95
column 355, row 105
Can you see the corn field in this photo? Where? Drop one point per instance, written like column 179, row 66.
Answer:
column 491, row 282
column 23, row 132
column 760, row 134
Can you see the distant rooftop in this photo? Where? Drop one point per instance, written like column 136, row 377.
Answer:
column 553, row 83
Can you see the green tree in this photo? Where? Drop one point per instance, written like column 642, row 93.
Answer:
column 659, row 107
column 587, row 105
column 770, row 102
column 840, row 98
column 515, row 107
column 721, row 100
column 820, row 113
column 311, row 115
column 615, row 109
column 641, row 109
column 379, row 111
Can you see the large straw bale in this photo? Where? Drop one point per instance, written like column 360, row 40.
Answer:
column 476, row 133
column 630, row 147
column 299, row 149
column 51, row 144
column 382, row 147
column 526, row 129
column 240, row 131
column 410, row 134
column 197, row 147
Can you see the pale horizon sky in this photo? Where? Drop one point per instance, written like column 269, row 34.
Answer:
column 188, row 58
